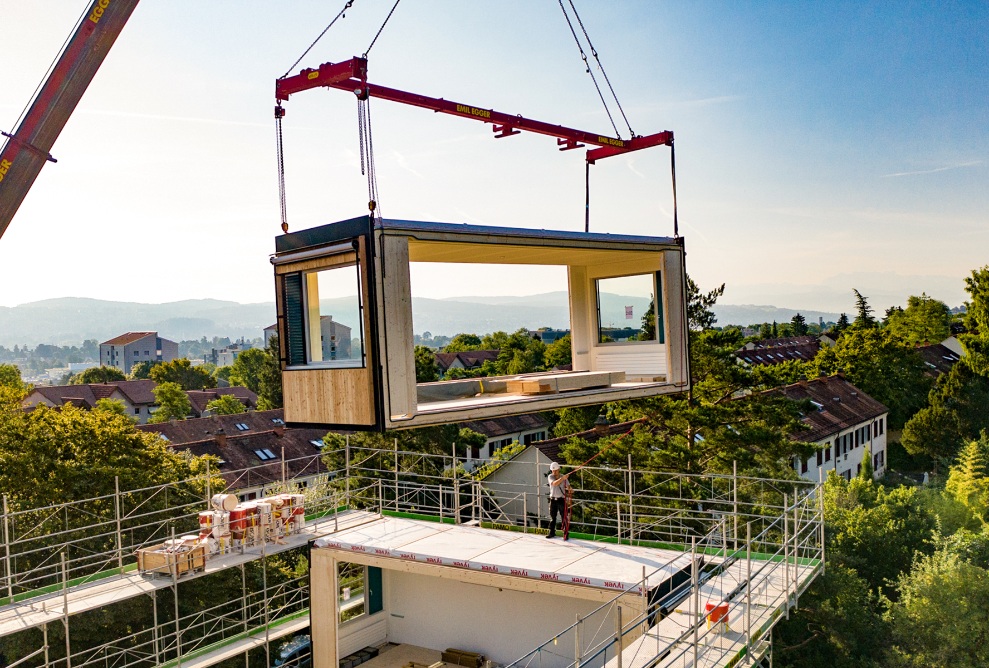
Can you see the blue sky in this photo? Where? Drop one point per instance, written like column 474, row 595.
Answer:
column 820, row 146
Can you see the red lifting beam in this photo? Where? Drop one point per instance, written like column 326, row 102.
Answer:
column 351, row 75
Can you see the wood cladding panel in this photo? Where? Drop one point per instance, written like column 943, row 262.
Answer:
column 328, row 396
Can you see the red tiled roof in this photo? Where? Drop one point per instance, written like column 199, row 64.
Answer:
column 779, row 354
column 508, row 425
column 469, row 358
column 137, row 392
column 938, row 358
column 129, row 337
column 551, row 447
column 839, row 405
column 199, row 398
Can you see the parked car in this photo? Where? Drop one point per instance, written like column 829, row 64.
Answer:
column 296, row 653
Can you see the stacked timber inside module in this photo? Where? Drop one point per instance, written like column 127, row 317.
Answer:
column 368, row 381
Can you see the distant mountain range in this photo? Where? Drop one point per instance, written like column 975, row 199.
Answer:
column 71, row 320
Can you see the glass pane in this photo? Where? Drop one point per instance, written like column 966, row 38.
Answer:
column 334, row 321
column 351, row 590
column 626, row 309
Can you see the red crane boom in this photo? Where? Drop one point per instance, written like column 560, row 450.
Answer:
column 351, row 75
column 27, row 149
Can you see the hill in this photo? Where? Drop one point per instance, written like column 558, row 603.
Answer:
column 71, row 320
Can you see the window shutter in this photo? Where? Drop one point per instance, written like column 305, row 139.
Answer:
column 295, row 325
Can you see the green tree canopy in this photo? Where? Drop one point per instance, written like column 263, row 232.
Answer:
column 226, row 404
column 425, row 360
column 798, row 325
column 182, row 372
column 699, row 305
column 559, row 353
column 863, row 317
column 882, row 365
column 247, row 369
column 270, row 378
column 142, row 370
column 955, row 414
column 173, row 403
column 977, row 307
column 940, row 618
column 10, row 376
column 925, row 320
column 968, row 479
column 98, row 374
column 462, row 343
column 114, row 406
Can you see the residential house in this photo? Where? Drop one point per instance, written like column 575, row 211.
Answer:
column 200, row 398
column 250, row 448
column 468, row 359
column 137, row 396
column 502, row 432
column 227, row 356
column 128, row 349
column 938, row 357
column 518, row 486
column 776, row 351
column 844, row 422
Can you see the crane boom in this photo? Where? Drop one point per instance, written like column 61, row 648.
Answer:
column 351, row 75
column 27, row 149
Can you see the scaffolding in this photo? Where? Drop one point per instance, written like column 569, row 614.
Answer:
column 754, row 543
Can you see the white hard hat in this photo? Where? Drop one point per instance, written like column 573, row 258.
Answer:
column 555, row 466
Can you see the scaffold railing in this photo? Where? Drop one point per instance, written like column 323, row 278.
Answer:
column 724, row 523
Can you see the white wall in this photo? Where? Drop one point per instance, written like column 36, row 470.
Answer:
column 847, row 465
column 499, row 623
column 521, row 476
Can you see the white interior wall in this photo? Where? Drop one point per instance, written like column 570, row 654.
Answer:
column 502, row 624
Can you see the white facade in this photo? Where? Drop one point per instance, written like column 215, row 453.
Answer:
column 843, row 451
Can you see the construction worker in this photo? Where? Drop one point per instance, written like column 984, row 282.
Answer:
column 559, row 487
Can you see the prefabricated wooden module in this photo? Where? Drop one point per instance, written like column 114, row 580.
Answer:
column 356, row 369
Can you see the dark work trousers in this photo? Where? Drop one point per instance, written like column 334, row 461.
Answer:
column 556, row 507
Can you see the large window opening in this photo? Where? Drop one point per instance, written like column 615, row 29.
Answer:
column 628, row 311
column 480, row 320
column 358, row 590
column 325, row 317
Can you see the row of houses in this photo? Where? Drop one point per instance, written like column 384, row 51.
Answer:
column 137, row 397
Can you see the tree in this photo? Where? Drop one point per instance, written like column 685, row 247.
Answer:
column 98, row 374
column 864, row 317
column 841, row 325
column 940, row 618
column 765, row 331
column 246, row 369
column 10, row 376
column 866, row 471
column 173, row 403
column 925, row 320
column 575, row 419
column 558, row 353
column 462, row 343
column 977, row 308
column 226, row 404
column 881, row 365
column 699, row 313
column 113, row 406
column 798, row 325
column 425, row 360
column 270, row 378
column 864, row 519
column 520, row 353
column 142, row 370
column 956, row 413
column 182, row 373
column 968, row 479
